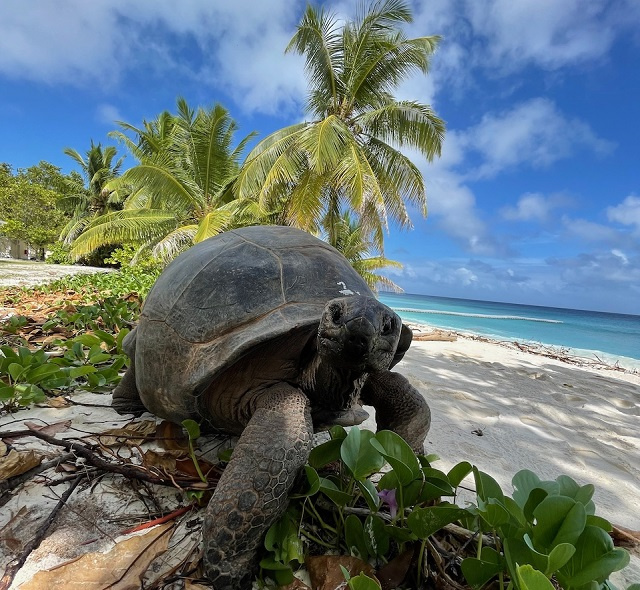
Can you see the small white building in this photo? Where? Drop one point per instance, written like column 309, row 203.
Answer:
column 15, row 249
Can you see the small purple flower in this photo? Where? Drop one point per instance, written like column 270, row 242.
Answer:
column 389, row 497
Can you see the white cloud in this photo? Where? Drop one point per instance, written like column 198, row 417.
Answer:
column 533, row 207
column 241, row 44
column 70, row 41
column 108, row 114
column 621, row 255
column 548, row 33
column 590, row 231
column 627, row 212
column 534, row 133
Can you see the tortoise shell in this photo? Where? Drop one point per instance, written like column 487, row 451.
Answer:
column 223, row 297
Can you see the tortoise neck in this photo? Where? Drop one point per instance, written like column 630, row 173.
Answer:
column 329, row 386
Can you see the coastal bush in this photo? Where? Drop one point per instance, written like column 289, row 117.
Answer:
column 546, row 531
column 91, row 361
column 76, row 345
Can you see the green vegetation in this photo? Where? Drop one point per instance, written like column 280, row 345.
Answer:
column 547, row 530
column 29, row 204
column 90, row 196
column 180, row 193
column 79, row 344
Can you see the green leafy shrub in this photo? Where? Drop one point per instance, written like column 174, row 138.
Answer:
column 547, row 530
column 59, row 254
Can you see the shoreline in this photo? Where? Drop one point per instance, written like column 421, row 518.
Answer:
column 581, row 357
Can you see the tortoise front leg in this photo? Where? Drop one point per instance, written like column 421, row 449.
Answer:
column 399, row 407
column 253, row 490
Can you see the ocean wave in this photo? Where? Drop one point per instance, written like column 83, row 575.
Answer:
column 477, row 315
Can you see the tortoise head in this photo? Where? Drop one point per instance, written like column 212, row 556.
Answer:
column 360, row 333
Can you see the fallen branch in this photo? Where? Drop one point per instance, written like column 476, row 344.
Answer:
column 129, row 471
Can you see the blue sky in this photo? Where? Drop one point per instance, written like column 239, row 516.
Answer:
column 536, row 198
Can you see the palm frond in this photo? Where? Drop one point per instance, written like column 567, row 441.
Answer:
column 123, row 226
column 213, row 223
column 174, row 243
column 318, row 38
column 406, row 123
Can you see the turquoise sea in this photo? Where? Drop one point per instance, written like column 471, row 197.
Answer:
column 609, row 336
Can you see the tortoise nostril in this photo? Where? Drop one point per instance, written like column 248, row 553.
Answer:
column 358, row 341
column 336, row 313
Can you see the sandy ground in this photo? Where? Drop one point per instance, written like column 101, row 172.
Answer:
column 27, row 273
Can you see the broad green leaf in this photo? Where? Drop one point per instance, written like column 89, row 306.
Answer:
column 120, row 337
column 478, row 572
column 7, row 393
column 532, row 579
column 486, row 486
column 338, row 432
column 16, row 370
column 282, row 574
column 363, row 582
column 535, row 497
column 325, row 453
column 330, row 489
column 313, row 483
column 98, row 358
column 515, row 511
column 88, row 340
column 192, row 428
column 525, row 481
column 598, row 521
column 358, row 454
column 559, row 519
column 376, row 537
column 354, row 537
column 412, row 493
column 458, row 472
column 96, row 380
column 595, row 559
column 41, row 373
column 369, row 493
column 398, row 454
column 8, row 352
column 389, row 481
column 520, row 551
column 81, row 371
column 493, row 513
column 559, row 556
column 107, row 338
column 423, row 522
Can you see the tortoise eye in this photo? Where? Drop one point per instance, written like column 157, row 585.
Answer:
column 387, row 325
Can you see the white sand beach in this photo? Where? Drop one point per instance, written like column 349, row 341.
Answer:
column 532, row 412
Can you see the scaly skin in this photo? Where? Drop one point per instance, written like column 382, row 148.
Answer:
column 253, row 491
column 399, row 407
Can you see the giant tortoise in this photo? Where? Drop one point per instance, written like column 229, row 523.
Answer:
column 267, row 333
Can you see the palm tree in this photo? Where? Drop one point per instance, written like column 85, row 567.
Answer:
column 86, row 202
column 348, row 156
column 180, row 193
column 349, row 237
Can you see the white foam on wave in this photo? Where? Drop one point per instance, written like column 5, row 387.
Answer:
column 476, row 315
